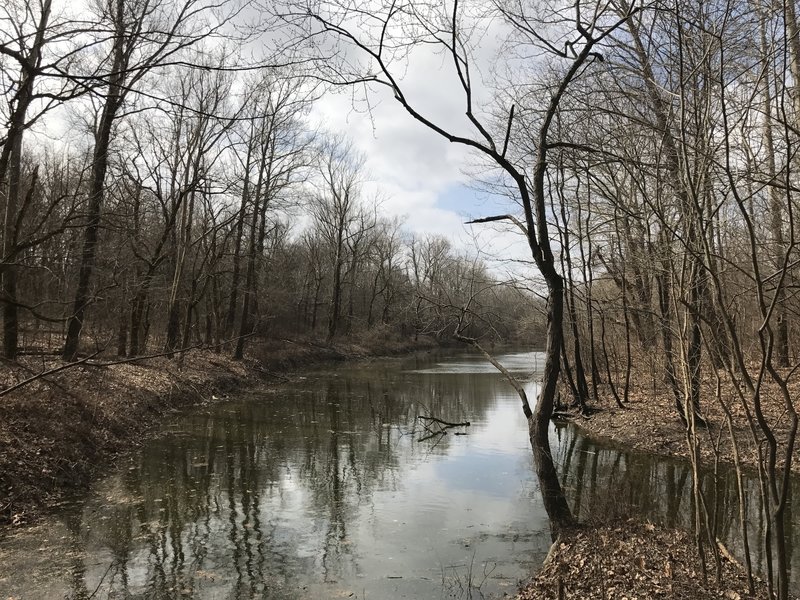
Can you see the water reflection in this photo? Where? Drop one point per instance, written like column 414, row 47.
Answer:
column 321, row 490
column 318, row 490
column 601, row 480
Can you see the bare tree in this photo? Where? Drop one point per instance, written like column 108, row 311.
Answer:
column 278, row 148
column 386, row 34
column 339, row 216
column 142, row 37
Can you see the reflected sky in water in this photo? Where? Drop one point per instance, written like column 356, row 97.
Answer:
column 321, row 489
column 518, row 363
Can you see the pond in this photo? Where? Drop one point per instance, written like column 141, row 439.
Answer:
column 322, row 489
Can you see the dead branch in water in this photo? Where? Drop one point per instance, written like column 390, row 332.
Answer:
column 435, row 426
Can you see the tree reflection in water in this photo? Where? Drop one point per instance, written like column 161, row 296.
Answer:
column 317, row 490
column 620, row 484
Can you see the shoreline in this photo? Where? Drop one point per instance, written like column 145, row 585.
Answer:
column 59, row 433
column 634, row 559
column 121, row 406
column 649, row 423
column 631, row 557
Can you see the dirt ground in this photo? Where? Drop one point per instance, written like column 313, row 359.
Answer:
column 634, row 561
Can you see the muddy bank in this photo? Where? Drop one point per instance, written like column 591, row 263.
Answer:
column 59, row 432
column 633, row 560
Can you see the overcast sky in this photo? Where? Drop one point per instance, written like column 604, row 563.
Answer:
column 422, row 177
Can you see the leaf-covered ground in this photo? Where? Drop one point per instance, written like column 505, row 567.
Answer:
column 58, row 432
column 635, row 561
column 650, row 422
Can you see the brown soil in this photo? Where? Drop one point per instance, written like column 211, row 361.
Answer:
column 633, row 560
column 59, row 432
column 650, row 422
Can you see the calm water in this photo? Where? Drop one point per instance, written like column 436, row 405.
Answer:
column 322, row 489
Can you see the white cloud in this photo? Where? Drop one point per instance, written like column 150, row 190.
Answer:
column 420, row 175
column 413, row 168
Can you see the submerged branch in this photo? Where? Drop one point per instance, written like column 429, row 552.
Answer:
column 437, row 427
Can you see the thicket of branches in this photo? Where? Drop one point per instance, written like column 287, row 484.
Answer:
column 159, row 191
column 675, row 198
column 652, row 150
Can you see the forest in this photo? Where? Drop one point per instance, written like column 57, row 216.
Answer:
column 162, row 189
column 167, row 216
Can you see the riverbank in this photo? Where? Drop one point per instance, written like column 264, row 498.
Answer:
column 634, row 559
column 649, row 422
column 120, row 405
column 59, row 432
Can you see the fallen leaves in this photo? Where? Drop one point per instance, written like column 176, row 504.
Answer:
column 57, row 432
column 632, row 560
column 650, row 422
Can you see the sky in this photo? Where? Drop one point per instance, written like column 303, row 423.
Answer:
column 424, row 179
column 420, row 177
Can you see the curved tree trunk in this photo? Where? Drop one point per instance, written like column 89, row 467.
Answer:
column 555, row 503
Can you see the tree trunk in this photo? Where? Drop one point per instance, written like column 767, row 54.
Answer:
column 776, row 204
column 137, row 313
column 10, row 183
column 249, row 285
column 555, row 502
column 663, row 280
column 336, row 290
column 122, row 333
column 97, row 186
column 230, row 317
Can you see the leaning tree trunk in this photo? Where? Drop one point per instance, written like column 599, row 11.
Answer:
column 555, row 502
column 533, row 196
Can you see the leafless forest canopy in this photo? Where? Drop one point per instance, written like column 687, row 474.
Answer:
column 184, row 199
column 161, row 188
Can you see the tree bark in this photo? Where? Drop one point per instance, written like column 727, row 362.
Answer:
column 10, row 183
column 113, row 102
